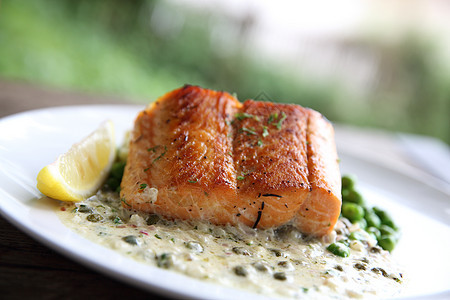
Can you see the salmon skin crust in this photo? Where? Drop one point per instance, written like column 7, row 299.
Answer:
column 201, row 154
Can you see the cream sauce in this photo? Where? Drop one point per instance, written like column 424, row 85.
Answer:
column 278, row 262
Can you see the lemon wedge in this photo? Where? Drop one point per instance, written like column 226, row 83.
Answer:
column 79, row 173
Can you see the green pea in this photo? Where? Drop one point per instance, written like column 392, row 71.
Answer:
column 362, row 224
column 352, row 211
column 385, row 218
column 346, row 242
column 352, row 196
column 386, row 230
column 339, row 249
column 348, row 182
column 387, row 242
column 356, row 235
column 372, row 219
column 344, row 194
column 374, row 231
column 390, row 223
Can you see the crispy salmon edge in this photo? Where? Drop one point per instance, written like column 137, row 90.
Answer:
column 324, row 179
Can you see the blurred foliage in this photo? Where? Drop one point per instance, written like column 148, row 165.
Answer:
column 416, row 88
column 141, row 49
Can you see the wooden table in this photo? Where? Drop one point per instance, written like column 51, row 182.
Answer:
column 29, row 270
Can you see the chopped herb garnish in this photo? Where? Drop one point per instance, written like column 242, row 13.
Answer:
column 142, row 186
column 280, row 122
column 265, row 131
column 158, row 237
column 240, row 178
column 249, row 131
column 271, row 118
column 146, row 169
column 162, row 154
column 242, row 116
column 153, row 149
column 339, row 249
column 125, row 202
column 260, row 143
column 164, row 260
column 117, row 220
column 193, row 181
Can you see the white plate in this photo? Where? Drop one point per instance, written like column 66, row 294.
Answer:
column 30, row 140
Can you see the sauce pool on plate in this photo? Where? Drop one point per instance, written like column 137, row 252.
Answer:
column 273, row 262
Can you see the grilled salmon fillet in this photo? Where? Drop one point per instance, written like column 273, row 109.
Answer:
column 203, row 155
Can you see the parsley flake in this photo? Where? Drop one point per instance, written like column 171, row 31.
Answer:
column 283, row 117
column 265, row 131
column 125, row 202
column 272, row 118
column 249, row 131
column 153, row 149
column 162, row 154
column 242, row 116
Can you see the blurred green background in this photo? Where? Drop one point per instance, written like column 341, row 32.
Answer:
column 371, row 75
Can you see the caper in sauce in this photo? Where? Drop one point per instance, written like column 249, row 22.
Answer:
column 195, row 246
column 280, row 276
column 164, row 260
column 131, row 239
column 94, row 218
column 240, row 271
